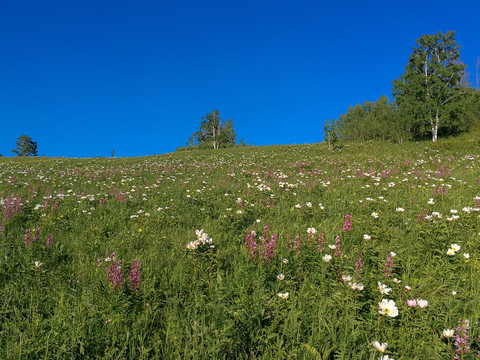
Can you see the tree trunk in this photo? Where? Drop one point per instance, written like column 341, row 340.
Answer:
column 435, row 128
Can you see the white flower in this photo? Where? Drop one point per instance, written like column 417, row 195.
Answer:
column 450, row 252
column 309, row 204
column 327, row 258
column 422, row 303
column 385, row 357
column 384, row 289
column 466, row 255
column 388, row 308
column 280, row 276
column 38, row 264
column 455, row 247
column 298, row 206
column 284, row 295
column 375, row 215
column 380, row 347
column 392, row 254
column 311, row 231
column 356, row 286
column 396, row 281
column 367, row 237
column 285, row 261
column 454, row 293
column 448, row 333
column 332, row 246
column 399, row 209
column 431, row 202
column 346, row 278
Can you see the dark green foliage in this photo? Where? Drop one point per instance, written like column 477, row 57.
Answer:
column 213, row 132
column 430, row 94
column 25, row 146
column 372, row 120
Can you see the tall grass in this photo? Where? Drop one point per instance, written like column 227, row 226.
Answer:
column 221, row 299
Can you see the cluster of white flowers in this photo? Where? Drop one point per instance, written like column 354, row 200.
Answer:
column 453, row 249
column 202, row 239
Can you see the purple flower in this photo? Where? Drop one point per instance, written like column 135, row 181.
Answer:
column 347, row 226
column 135, row 276
column 49, row 241
column 28, row 237
column 114, row 274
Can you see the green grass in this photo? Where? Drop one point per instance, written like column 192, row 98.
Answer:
column 219, row 303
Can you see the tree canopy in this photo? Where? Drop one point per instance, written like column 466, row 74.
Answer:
column 430, row 94
column 25, row 146
column 213, row 132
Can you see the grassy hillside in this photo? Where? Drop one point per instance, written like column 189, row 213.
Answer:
column 101, row 258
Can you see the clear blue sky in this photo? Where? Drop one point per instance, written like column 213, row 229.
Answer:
column 82, row 77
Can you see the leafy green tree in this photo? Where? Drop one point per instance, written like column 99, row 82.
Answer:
column 429, row 94
column 25, row 146
column 214, row 131
column 330, row 133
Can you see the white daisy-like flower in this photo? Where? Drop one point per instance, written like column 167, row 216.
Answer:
column 388, row 308
column 380, row 347
column 280, row 277
column 384, row 289
column 327, row 258
column 283, row 296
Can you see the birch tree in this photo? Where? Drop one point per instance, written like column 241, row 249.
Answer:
column 214, row 131
column 430, row 89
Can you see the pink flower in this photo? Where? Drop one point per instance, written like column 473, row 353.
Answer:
column 412, row 303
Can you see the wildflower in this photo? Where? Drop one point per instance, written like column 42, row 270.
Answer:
column 384, row 289
column 49, row 241
column 38, row 264
column 280, row 277
column 346, row 278
column 455, row 247
column 412, row 303
column 380, row 347
column 388, row 308
column 375, row 215
column 285, row 261
column 422, row 303
column 332, row 246
column 399, row 209
column 396, row 281
column 389, row 264
column 450, row 252
column 448, row 333
column 309, row 204
column 327, row 258
column 311, row 231
column 359, row 265
column 298, row 206
column 407, row 287
column 454, row 293
column 135, row 276
column 357, row 286
column 431, row 202
column 283, row 296
column 385, row 357
column 347, row 226
column 367, row 237
column 337, row 246
column 466, row 255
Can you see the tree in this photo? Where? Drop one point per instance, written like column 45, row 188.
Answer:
column 25, row 146
column 428, row 94
column 330, row 133
column 214, row 131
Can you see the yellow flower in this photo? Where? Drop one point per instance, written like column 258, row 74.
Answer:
column 139, row 230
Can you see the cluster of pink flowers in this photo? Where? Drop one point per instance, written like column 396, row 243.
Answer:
column 389, row 265
column 347, row 226
column 115, row 273
column 417, row 302
column 11, row 206
column 264, row 248
column 135, row 276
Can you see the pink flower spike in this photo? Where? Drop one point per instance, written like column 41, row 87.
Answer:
column 412, row 303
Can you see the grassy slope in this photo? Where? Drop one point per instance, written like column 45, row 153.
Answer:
column 219, row 303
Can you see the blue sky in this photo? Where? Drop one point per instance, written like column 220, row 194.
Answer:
column 84, row 77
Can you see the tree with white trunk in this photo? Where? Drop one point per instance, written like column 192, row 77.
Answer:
column 430, row 93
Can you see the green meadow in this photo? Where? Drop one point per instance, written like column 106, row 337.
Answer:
column 277, row 252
